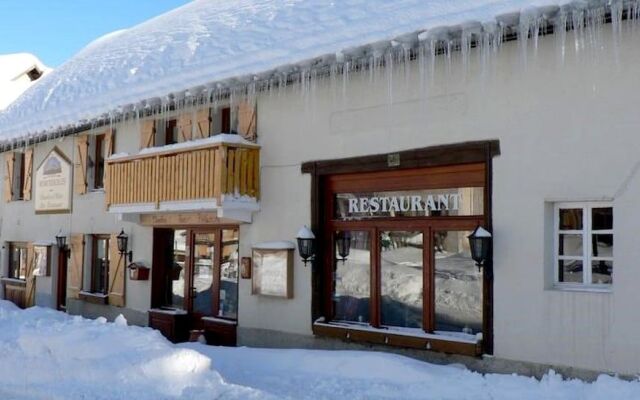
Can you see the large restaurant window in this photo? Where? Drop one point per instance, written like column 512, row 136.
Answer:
column 408, row 268
column 583, row 245
column 18, row 261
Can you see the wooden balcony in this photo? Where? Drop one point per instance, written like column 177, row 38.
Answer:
column 198, row 176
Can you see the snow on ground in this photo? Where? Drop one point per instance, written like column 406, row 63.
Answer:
column 45, row 354
column 212, row 42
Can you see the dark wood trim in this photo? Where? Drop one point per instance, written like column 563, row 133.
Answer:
column 449, row 154
column 487, row 288
column 390, row 339
column 373, row 167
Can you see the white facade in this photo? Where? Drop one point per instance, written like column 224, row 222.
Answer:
column 567, row 128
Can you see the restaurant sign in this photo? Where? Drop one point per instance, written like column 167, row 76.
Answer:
column 412, row 203
column 53, row 184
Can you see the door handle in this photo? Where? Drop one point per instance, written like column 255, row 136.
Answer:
column 194, row 292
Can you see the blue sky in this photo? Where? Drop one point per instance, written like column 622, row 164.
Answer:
column 54, row 30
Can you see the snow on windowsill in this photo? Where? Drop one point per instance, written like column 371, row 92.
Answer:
column 460, row 337
column 220, row 320
column 97, row 295
column 173, row 311
column 14, row 280
column 222, row 138
column 583, row 289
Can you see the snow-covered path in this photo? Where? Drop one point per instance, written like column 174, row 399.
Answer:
column 45, row 354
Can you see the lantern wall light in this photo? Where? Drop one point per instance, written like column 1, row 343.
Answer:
column 479, row 244
column 343, row 245
column 123, row 240
column 61, row 243
column 306, row 244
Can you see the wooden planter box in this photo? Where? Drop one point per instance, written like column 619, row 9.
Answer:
column 174, row 325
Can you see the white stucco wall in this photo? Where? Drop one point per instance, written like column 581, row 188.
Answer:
column 567, row 130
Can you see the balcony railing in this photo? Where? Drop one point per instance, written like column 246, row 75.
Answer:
column 204, row 172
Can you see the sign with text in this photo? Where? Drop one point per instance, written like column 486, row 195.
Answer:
column 53, row 184
column 411, row 203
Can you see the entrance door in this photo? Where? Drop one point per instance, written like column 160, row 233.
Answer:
column 196, row 273
column 201, row 268
column 61, row 302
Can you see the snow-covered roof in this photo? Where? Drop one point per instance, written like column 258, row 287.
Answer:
column 14, row 75
column 211, row 44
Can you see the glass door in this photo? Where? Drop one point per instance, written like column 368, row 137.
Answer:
column 203, row 249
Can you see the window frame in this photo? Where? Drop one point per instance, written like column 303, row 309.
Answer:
column 24, row 247
column 94, row 257
column 586, row 232
column 99, row 162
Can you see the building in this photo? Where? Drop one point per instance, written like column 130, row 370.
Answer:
column 392, row 136
column 17, row 74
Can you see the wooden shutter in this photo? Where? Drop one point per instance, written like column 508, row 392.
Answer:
column 247, row 121
column 9, row 162
column 109, row 138
column 80, row 165
column 147, row 136
column 28, row 173
column 75, row 265
column 203, row 127
column 184, row 127
column 116, row 273
column 30, row 287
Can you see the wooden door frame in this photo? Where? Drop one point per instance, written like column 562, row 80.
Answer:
column 189, row 265
column 434, row 156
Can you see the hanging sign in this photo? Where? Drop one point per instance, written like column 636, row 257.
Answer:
column 53, row 181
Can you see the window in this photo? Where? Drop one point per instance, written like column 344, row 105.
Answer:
column 583, row 234
column 100, row 264
column 171, row 132
column 42, row 260
column 97, row 148
column 34, row 74
column 18, row 261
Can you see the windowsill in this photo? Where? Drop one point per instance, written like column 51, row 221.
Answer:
column 14, row 281
column 410, row 338
column 218, row 320
column 98, row 190
column 95, row 298
column 168, row 311
column 585, row 289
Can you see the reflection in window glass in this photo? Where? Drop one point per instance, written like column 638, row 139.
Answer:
column 228, row 306
column 100, row 266
column 203, row 256
column 601, row 272
column 178, row 268
column 570, row 219
column 458, row 284
column 352, row 280
column 18, row 264
column 602, row 245
column 601, row 218
column 570, row 271
column 401, row 278
column 570, row 245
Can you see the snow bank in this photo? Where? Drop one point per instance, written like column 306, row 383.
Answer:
column 209, row 44
column 316, row 374
column 45, row 354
